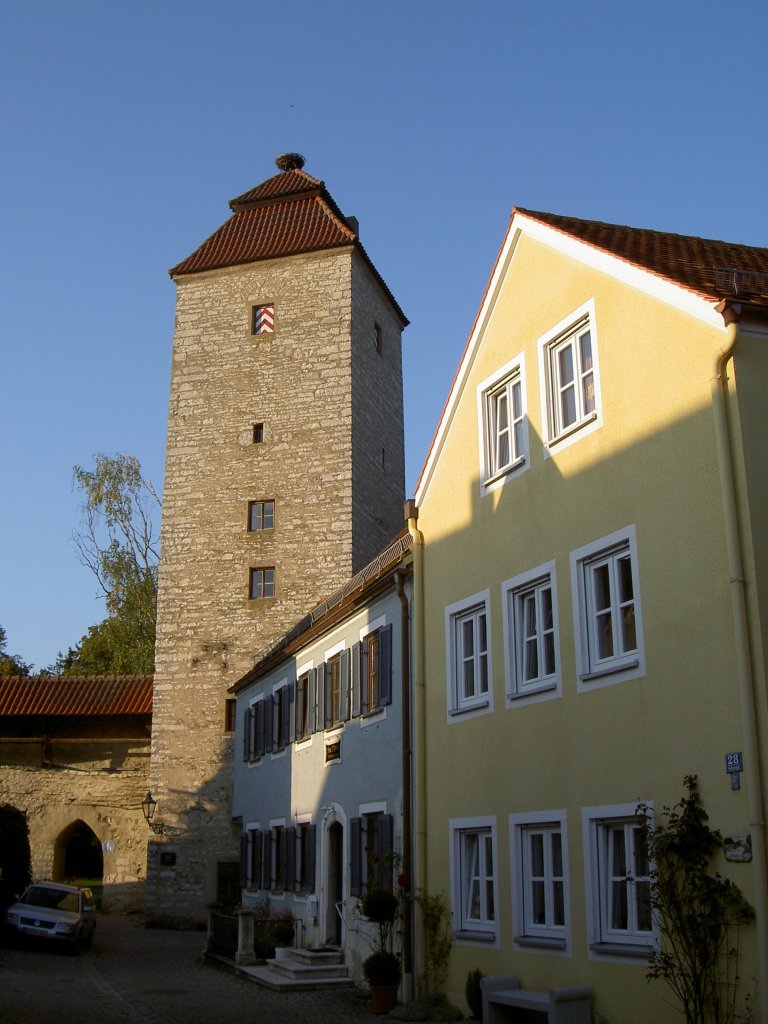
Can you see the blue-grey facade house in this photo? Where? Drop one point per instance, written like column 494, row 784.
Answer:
column 318, row 783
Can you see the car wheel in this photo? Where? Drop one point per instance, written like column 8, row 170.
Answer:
column 74, row 947
column 88, row 940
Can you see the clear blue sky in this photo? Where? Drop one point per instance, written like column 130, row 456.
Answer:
column 127, row 127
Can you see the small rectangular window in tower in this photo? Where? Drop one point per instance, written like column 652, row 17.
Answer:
column 377, row 338
column 258, row 433
column 263, row 320
column 261, row 515
column 262, row 583
column 230, row 708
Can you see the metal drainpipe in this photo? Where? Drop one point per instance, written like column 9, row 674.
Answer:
column 418, row 879
column 744, row 670
column 405, row 660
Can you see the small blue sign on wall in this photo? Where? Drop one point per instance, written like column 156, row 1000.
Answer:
column 734, row 762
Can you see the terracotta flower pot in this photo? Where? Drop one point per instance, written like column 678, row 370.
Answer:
column 383, row 998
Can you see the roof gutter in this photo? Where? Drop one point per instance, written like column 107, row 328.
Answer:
column 744, row 666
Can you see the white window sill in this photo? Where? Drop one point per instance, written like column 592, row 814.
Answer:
column 466, row 709
column 506, row 471
column 609, row 670
column 628, row 949
column 573, row 429
column 373, row 716
column 533, row 688
column 474, row 936
column 539, row 941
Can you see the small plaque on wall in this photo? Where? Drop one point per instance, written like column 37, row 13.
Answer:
column 333, row 751
column 167, row 859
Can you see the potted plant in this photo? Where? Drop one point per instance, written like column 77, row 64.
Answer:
column 282, row 932
column 383, row 972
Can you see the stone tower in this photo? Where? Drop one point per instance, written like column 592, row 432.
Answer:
column 284, row 476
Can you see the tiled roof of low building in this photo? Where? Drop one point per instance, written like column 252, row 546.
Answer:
column 75, row 695
column 711, row 268
column 289, row 214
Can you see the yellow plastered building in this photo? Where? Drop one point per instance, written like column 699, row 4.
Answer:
column 593, row 570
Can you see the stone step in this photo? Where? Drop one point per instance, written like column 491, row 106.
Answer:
column 327, row 955
column 279, row 982
column 294, row 968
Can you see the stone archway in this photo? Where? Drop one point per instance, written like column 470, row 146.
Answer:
column 77, row 854
column 15, row 856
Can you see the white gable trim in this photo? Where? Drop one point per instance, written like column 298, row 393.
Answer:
column 657, row 287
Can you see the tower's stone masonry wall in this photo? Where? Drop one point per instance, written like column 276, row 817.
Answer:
column 297, row 381
column 378, row 453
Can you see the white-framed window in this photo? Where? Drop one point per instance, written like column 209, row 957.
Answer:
column 372, row 670
column 539, row 865
column 531, row 634
column 474, row 885
column 570, row 378
column 502, row 423
column 618, row 884
column 468, row 654
column 607, row 614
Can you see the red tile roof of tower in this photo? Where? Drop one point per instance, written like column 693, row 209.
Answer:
column 289, row 214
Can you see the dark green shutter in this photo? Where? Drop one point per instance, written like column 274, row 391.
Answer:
column 355, row 668
column 309, row 881
column 257, row 860
column 385, row 848
column 344, row 686
column 258, row 728
column 244, row 860
column 266, row 856
column 292, row 695
column 364, row 664
column 311, row 702
column 290, row 859
column 385, row 665
column 320, row 698
column 285, row 715
column 247, row 734
column 356, row 852
column 269, row 723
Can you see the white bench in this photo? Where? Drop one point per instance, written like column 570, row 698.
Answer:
column 503, row 995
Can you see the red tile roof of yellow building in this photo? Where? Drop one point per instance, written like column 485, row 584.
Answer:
column 702, row 265
column 289, row 214
column 75, row 695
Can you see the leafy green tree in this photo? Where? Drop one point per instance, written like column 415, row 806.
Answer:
column 11, row 664
column 118, row 542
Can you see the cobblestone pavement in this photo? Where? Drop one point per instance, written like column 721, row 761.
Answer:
column 137, row 976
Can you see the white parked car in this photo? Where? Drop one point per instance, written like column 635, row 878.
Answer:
column 47, row 910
